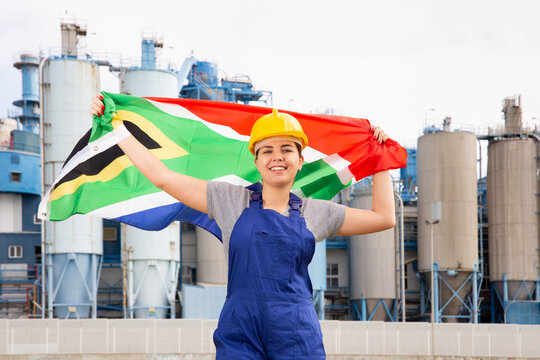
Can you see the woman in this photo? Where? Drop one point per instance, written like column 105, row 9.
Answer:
column 269, row 236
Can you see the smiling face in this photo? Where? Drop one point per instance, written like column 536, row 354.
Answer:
column 278, row 162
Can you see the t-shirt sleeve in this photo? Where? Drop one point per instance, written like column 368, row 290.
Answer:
column 226, row 202
column 323, row 218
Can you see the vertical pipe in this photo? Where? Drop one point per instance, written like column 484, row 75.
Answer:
column 422, row 297
column 480, row 218
column 432, row 278
column 364, row 309
column 436, row 291
column 124, row 270
column 42, row 158
column 50, row 289
column 493, row 304
column 475, row 293
column 130, row 285
column 505, row 296
column 538, row 288
column 93, row 287
column 402, row 259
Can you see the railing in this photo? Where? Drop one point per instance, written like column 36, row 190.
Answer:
column 23, row 147
column 104, row 57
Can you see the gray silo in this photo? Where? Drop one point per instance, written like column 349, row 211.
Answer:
column 513, row 223
column 74, row 247
column 513, row 187
column 447, row 173
column 372, row 265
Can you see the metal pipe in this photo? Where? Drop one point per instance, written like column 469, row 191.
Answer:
column 505, row 295
column 124, row 270
column 435, row 291
column 130, row 294
column 475, row 293
column 402, row 258
column 42, row 158
column 432, row 278
column 480, row 218
column 50, row 291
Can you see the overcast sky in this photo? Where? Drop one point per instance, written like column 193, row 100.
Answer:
column 388, row 61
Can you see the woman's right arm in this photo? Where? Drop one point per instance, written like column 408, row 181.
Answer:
column 187, row 189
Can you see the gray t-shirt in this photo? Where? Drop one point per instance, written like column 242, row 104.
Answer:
column 226, row 202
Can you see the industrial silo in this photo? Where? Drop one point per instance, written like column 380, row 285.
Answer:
column 372, row 264
column 151, row 78
column 211, row 263
column 513, row 223
column 152, row 257
column 447, row 173
column 74, row 246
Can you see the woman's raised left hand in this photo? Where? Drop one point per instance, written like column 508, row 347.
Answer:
column 379, row 134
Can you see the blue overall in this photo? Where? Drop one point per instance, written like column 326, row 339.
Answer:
column 269, row 313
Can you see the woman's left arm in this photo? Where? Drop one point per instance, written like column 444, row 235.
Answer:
column 382, row 215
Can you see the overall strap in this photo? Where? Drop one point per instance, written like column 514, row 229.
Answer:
column 295, row 203
column 256, row 194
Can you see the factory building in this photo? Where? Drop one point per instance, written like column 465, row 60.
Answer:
column 464, row 249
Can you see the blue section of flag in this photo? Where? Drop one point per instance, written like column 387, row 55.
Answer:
column 160, row 217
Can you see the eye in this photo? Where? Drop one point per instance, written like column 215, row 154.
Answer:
column 267, row 151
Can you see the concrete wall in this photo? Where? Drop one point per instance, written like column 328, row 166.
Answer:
column 143, row 338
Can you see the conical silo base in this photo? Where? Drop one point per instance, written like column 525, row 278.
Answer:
column 452, row 304
column 380, row 314
column 517, row 289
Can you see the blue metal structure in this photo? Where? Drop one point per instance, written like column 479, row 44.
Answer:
column 408, row 186
column 29, row 103
column 20, row 248
column 520, row 307
column 469, row 303
column 204, row 83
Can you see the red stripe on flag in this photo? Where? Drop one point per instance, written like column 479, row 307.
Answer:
column 349, row 137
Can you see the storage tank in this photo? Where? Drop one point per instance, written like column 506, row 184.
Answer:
column 74, row 246
column 513, row 223
column 156, row 83
column 447, row 173
column 372, row 262
column 153, row 265
column 153, row 256
column 211, row 263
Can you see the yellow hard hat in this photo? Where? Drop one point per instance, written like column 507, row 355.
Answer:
column 276, row 124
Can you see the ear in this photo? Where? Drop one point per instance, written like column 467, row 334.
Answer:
column 300, row 162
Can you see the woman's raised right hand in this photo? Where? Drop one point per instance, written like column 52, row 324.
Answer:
column 97, row 106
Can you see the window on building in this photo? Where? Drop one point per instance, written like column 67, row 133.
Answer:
column 109, row 233
column 332, row 275
column 15, row 176
column 15, row 159
column 15, row 251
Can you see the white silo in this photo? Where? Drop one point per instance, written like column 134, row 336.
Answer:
column 513, row 223
column 151, row 78
column 74, row 246
column 372, row 264
column 447, row 173
column 211, row 263
column 153, row 257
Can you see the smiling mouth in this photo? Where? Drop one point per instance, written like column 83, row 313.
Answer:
column 278, row 168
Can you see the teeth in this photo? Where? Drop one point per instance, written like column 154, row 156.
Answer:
column 277, row 168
